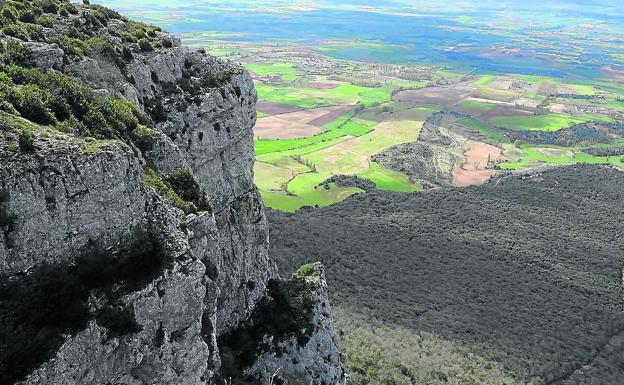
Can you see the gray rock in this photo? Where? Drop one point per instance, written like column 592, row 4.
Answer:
column 45, row 56
column 315, row 362
column 69, row 194
column 63, row 198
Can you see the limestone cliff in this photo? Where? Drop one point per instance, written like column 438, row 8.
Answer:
column 141, row 256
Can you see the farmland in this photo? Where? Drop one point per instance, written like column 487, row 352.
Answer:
column 321, row 117
column 324, row 117
column 318, row 125
column 334, row 98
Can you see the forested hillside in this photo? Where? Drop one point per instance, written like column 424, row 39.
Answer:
column 513, row 282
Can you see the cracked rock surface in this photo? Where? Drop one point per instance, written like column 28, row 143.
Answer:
column 159, row 319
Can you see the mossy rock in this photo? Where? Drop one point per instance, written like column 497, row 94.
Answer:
column 310, row 272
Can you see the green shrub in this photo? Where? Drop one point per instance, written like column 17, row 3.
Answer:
column 107, row 13
column 128, row 38
column 34, row 32
column 104, row 48
column 138, row 33
column 69, row 8
column 72, row 126
column 14, row 53
column 145, row 45
column 16, row 31
column 77, row 97
column 191, row 86
column 48, row 6
column 23, row 32
column 33, row 103
column 225, row 75
column 126, row 53
column 28, row 16
column 72, row 46
column 123, row 115
column 185, row 185
column 19, row 5
column 95, row 19
column 9, row 13
column 96, row 123
column 144, row 137
column 308, row 272
column 26, row 141
column 45, row 21
column 164, row 189
column 22, row 76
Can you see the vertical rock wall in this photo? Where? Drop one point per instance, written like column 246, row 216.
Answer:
column 161, row 307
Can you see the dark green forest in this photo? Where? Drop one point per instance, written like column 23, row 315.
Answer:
column 520, row 277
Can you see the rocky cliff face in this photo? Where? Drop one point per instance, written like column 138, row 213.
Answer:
column 106, row 278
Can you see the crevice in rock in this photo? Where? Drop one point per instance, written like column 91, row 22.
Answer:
column 7, row 220
column 286, row 311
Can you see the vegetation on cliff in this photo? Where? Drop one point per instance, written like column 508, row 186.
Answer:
column 34, row 100
column 55, row 98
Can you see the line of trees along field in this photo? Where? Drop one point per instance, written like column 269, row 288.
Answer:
column 524, row 274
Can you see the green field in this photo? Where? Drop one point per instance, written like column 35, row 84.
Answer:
column 286, row 71
column 475, row 107
column 557, row 155
column 485, row 80
column 386, row 179
column 312, row 98
column 314, row 197
column 290, row 172
column 341, row 127
column 492, row 94
column 484, row 130
column 550, row 122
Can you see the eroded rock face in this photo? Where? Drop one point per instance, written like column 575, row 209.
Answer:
column 69, row 205
column 63, row 199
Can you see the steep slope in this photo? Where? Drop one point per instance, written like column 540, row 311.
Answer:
column 134, row 242
column 521, row 277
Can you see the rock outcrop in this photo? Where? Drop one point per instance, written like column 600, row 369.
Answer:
column 430, row 160
column 104, row 279
column 308, row 357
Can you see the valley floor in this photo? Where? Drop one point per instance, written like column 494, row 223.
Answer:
column 321, row 117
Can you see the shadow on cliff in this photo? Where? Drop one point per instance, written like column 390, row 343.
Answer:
column 286, row 311
column 39, row 308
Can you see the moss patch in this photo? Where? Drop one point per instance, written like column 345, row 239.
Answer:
column 151, row 179
column 309, row 272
